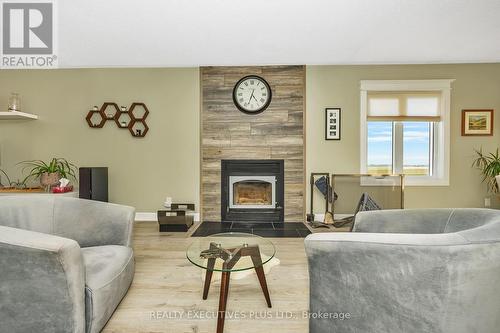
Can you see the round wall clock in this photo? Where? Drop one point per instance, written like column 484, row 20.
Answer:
column 252, row 94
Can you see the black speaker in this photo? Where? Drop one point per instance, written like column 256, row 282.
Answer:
column 94, row 183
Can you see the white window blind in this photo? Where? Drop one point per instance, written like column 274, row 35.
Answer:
column 404, row 106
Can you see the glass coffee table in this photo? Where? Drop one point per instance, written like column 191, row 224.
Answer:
column 230, row 252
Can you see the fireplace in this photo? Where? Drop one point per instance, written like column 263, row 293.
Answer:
column 252, row 190
column 258, row 192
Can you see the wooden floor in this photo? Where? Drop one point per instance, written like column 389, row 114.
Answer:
column 166, row 294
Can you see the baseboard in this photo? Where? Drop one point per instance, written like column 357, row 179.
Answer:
column 320, row 217
column 152, row 217
column 146, row 217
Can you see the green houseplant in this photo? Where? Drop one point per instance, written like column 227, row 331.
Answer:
column 489, row 165
column 50, row 173
column 9, row 183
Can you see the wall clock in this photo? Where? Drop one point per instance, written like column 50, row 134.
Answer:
column 252, row 94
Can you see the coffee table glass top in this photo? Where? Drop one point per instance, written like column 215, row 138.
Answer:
column 229, row 251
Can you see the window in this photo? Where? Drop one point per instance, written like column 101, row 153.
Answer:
column 380, row 143
column 405, row 129
column 418, row 138
column 386, row 138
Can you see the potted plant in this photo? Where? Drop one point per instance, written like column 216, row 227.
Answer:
column 489, row 165
column 9, row 183
column 50, row 173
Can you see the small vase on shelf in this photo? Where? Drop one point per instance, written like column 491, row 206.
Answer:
column 14, row 102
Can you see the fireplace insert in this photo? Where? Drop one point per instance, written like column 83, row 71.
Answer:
column 252, row 191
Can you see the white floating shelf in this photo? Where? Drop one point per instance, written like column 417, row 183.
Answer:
column 16, row 115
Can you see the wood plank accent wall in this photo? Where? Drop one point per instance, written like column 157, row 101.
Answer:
column 276, row 133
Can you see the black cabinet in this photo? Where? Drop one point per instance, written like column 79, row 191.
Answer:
column 94, row 183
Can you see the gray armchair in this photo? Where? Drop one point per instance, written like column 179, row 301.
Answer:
column 65, row 263
column 427, row 270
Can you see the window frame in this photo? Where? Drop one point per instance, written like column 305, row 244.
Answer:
column 440, row 162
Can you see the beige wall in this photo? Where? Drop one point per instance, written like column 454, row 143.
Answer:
column 166, row 161
column 142, row 172
column 476, row 86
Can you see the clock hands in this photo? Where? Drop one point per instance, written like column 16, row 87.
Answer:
column 252, row 96
column 253, row 90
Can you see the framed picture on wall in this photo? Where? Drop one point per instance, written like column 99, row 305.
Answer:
column 477, row 122
column 332, row 124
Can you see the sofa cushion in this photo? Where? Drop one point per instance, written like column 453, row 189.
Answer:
column 109, row 271
column 35, row 213
column 407, row 221
column 469, row 218
column 100, row 223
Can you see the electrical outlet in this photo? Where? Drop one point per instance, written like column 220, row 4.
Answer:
column 487, row 202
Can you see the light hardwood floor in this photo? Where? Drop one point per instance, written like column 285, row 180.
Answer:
column 167, row 285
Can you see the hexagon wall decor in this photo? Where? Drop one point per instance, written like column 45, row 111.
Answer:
column 122, row 118
column 109, row 110
column 95, row 119
column 138, row 128
column 138, row 111
column 134, row 119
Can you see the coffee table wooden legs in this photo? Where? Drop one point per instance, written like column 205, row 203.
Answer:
column 208, row 278
column 229, row 262
column 263, row 284
column 224, row 291
column 257, row 262
column 208, row 274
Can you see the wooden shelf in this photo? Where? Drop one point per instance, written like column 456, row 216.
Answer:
column 73, row 194
column 26, row 190
column 17, row 115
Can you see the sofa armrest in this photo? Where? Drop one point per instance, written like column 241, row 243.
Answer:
column 403, row 283
column 42, row 283
column 449, row 239
column 411, row 221
column 93, row 223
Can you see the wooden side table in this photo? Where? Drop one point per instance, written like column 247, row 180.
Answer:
column 177, row 218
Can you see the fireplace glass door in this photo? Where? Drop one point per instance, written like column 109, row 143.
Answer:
column 252, row 192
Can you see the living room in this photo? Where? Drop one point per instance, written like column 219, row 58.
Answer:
column 325, row 177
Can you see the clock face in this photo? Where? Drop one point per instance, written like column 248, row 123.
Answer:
column 252, row 94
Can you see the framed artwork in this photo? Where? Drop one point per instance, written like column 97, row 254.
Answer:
column 332, row 124
column 477, row 122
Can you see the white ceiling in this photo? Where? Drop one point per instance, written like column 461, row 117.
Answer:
column 149, row 33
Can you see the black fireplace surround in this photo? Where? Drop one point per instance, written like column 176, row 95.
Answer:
column 255, row 168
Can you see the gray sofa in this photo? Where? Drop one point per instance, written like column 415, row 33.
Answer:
column 428, row 270
column 65, row 263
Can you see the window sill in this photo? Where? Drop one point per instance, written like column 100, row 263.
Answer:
column 410, row 181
